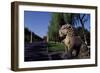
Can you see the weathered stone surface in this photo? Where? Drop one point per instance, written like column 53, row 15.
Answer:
column 73, row 43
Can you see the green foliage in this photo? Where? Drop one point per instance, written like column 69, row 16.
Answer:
column 54, row 47
column 53, row 30
column 68, row 18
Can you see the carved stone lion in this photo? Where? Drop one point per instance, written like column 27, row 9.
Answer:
column 71, row 40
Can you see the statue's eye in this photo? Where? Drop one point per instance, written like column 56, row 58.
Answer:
column 69, row 27
column 64, row 28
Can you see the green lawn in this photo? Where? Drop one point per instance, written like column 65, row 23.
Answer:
column 53, row 47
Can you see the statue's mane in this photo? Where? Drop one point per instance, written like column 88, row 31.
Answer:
column 67, row 30
column 71, row 31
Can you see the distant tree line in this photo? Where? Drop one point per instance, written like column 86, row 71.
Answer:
column 29, row 35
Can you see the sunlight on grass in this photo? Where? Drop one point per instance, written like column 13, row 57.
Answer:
column 55, row 46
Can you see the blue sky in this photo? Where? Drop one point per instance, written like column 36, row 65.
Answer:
column 38, row 22
column 87, row 23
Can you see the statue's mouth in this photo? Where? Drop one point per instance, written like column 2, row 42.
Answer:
column 63, row 37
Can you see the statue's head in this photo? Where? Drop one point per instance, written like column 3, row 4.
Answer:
column 65, row 30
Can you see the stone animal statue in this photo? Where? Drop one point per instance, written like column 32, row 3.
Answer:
column 71, row 40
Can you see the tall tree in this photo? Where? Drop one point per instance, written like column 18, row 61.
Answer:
column 69, row 18
column 82, row 18
column 56, row 22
